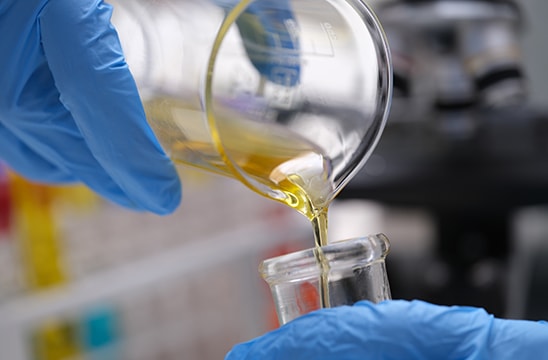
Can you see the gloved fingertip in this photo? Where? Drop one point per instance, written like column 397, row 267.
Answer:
column 159, row 193
column 505, row 334
column 170, row 198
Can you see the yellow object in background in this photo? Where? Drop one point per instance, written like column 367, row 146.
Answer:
column 75, row 197
column 35, row 231
column 56, row 340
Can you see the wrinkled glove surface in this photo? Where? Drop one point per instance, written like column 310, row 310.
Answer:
column 398, row 330
column 69, row 106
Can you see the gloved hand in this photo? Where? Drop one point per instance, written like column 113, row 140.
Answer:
column 69, row 107
column 399, row 330
column 269, row 32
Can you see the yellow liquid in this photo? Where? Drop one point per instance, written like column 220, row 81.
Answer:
column 268, row 158
column 284, row 166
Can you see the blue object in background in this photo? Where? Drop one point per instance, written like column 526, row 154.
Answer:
column 101, row 333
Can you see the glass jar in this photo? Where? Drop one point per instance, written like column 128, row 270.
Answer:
column 340, row 273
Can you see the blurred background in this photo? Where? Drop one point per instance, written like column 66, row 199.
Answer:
column 460, row 172
column 81, row 278
column 459, row 183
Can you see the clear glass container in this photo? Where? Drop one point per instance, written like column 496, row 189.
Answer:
column 288, row 96
column 337, row 274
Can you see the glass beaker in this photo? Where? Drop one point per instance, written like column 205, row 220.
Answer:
column 288, row 96
column 348, row 271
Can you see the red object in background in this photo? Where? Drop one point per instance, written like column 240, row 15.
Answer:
column 309, row 298
column 5, row 202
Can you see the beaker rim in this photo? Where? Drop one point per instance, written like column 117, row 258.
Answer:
column 346, row 254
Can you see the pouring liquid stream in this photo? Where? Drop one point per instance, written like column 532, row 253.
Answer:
column 292, row 169
column 200, row 93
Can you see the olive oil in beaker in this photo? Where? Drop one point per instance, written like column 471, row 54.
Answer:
column 290, row 169
column 285, row 166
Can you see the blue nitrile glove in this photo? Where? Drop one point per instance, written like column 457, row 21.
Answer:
column 270, row 36
column 69, row 107
column 399, row 330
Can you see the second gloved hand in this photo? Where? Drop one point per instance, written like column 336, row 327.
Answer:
column 269, row 33
column 398, row 330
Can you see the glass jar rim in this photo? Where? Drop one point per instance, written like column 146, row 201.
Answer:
column 346, row 254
